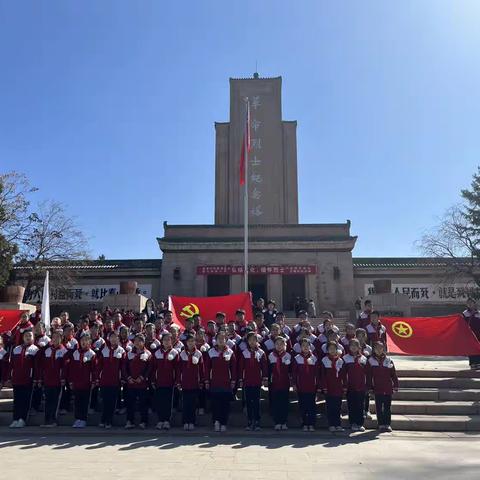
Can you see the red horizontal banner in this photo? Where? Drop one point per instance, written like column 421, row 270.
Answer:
column 257, row 269
column 207, row 307
column 443, row 336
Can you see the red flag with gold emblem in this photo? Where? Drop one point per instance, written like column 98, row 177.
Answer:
column 207, row 307
column 9, row 318
column 443, row 336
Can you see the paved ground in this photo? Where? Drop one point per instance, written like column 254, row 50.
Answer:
column 430, row 363
column 296, row 456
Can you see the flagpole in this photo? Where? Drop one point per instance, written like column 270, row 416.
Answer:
column 46, row 303
column 245, row 201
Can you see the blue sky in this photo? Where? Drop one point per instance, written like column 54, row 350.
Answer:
column 109, row 107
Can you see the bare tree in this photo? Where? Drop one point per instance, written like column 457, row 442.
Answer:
column 52, row 238
column 457, row 242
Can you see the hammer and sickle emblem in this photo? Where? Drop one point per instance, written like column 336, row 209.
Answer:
column 402, row 329
column 189, row 310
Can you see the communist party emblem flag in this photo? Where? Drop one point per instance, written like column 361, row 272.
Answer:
column 443, row 336
column 8, row 319
column 207, row 307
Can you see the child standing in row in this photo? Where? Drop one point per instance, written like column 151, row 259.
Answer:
column 253, row 373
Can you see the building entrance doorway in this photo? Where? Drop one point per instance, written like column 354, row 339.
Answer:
column 293, row 287
column 218, row 285
column 257, row 284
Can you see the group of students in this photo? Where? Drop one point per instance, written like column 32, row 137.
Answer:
column 152, row 364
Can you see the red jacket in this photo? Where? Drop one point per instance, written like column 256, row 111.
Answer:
column 472, row 317
column 356, row 372
column 376, row 333
column 306, row 373
column 52, row 365
column 109, row 367
column 138, row 366
column 333, row 375
column 279, row 367
column 220, row 368
column 81, row 369
column 16, row 338
column 381, row 375
column 71, row 345
column 190, row 370
column 24, row 365
column 253, row 367
column 3, row 365
column 164, row 369
column 363, row 320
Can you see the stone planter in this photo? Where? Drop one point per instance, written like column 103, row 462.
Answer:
column 382, row 286
column 13, row 293
column 128, row 287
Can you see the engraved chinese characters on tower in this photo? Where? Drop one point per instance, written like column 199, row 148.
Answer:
column 272, row 166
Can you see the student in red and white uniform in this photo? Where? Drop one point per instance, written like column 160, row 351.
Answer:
column 305, row 333
column 240, row 322
column 110, row 365
column 210, row 331
column 472, row 317
column 159, row 328
column 118, row 321
column 108, row 326
column 41, row 340
column 188, row 330
column 174, row 332
column 364, row 318
column 375, row 330
column 366, row 350
column 137, row 373
column 333, row 385
column 233, row 338
column 138, row 327
column 382, row 380
column 220, row 380
column 349, row 335
column 356, row 379
column 23, row 373
column 253, row 372
column 280, row 364
column 332, row 336
column 15, row 337
column 306, row 381
column 327, row 323
column 268, row 343
column 202, row 345
column 261, row 327
column 83, row 327
column 220, row 320
column 81, row 370
column 3, row 363
column 71, row 344
column 52, row 366
column 302, row 323
column 124, row 341
column 280, row 321
column 97, row 344
column 164, row 371
column 151, row 340
column 190, row 379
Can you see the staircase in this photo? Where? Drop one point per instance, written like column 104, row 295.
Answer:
column 431, row 398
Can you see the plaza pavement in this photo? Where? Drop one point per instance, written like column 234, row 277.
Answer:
column 31, row 454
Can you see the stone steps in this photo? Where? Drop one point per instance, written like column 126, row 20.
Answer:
column 443, row 382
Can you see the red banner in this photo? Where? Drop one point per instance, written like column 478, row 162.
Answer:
column 8, row 319
column 444, row 336
column 207, row 307
column 257, row 269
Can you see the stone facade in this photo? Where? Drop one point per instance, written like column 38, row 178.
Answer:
column 272, row 167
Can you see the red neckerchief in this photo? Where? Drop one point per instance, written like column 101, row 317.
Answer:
column 190, row 354
column 222, row 351
column 334, row 359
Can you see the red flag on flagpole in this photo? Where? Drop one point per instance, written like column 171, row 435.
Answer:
column 9, row 319
column 245, row 145
column 443, row 336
